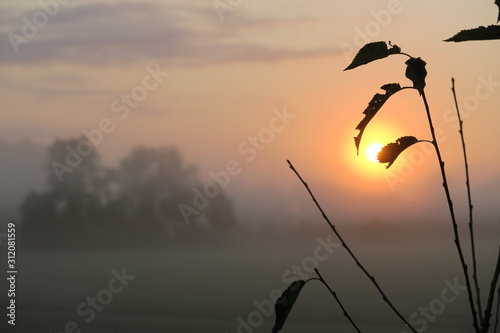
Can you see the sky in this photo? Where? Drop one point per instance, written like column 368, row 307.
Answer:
column 260, row 82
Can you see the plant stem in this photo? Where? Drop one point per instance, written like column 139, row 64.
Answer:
column 471, row 224
column 372, row 279
column 404, row 54
column 452, row 214
column 498, row 310
column 344, row 311
column 489, row 306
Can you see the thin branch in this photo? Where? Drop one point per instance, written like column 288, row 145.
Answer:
column 344, row 311
column 491, row 297
column 372, row 279
column 471, row 224
column 452, row 214
column 498, row 310
column 405, row 54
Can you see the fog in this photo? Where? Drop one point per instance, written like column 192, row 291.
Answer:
column 226, row 280
column 228, row 289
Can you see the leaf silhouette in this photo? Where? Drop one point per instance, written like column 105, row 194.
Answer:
column 371, row 110
column 416, row 72
column 372, row 51
column 391, row 151
column 479, row 33
column 497, row 2
column 285, row 303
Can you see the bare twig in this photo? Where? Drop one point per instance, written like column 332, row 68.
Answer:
column 471, row 224
column 452, row 214
column 372, row 279
column 498, row 310
column 491, row 297
column 344, row 311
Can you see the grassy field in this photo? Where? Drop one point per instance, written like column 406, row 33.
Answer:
column 216, row 289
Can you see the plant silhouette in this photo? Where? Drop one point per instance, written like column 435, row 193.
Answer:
column 480, row 33
column 391, row 151
column 416, row 73
column 373, row 107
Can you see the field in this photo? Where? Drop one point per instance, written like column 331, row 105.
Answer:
column 227, row 289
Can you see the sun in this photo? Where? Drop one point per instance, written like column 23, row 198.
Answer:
column 373, row 150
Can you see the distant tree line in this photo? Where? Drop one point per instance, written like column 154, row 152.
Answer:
column 136, row 204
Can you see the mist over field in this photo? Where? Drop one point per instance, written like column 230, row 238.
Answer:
column 215, row 289
column 228, row 280
column 180, row 279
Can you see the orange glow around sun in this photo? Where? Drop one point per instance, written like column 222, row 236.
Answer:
column 370, row 175
column 373, row 150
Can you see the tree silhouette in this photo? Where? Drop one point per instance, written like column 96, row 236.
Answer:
column 72, row 207
column 148, row 187
column 138, row 202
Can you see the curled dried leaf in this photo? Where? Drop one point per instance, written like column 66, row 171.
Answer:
column 285, row 303
column 373, row 51
column 371, row 110
column 391, row 151
column 416, row 72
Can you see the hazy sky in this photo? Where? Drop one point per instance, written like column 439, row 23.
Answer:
column 260, row 82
